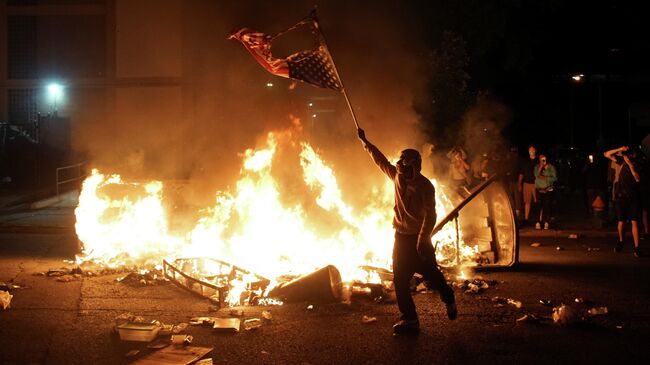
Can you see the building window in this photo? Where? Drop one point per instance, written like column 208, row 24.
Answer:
column 22, row 106
column 21, row 47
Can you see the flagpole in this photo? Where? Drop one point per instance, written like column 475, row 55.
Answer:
column 312, row 15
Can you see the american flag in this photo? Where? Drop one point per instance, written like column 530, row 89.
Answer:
column 313, row 66
column 259, row 46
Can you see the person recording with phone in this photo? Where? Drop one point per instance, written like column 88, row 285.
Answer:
column 545, row 177
column 626, row 194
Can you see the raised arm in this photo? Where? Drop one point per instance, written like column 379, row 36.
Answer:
column 380, row 160
column 635, row 174
column 610, row 154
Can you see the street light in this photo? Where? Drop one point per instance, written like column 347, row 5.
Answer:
column 578, row 77
column 54, row 94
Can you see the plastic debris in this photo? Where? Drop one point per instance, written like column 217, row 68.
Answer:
column 8, row 286
column 579, row 300
column 501, row 301
column 5, row 299
column 559, row 248
column 546, row 302
column 310, row 307
column 565, row 315
column 528, row 318
column 368, row 319
column 251, row 324
column 182, row 340
column 535, row 244
column 515, row 303
column 573, row 235
column 267, row 315
column 132, row 353
column 596, row 311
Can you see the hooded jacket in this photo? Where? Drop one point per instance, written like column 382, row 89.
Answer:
column 415, row 199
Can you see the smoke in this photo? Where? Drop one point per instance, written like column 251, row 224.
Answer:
column 482, row 124
column 219, row 104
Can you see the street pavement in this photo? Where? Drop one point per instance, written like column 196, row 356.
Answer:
column 52, row 322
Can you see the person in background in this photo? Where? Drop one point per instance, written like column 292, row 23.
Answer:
column 545, row 178
column 527, row 181
column 459, row 174
column 626, row 192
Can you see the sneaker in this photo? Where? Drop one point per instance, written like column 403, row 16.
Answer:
column 546, row 225
column 538, row 226
column 406, row 327
column 619, row 247
column 637, row 252
column 452, row 311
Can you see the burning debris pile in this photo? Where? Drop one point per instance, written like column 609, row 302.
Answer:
column 282, row 245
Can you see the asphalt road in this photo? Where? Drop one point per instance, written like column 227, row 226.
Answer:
column 51, row 322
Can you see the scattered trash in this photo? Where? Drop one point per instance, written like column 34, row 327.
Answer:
column 546, row 302
column 132, row 353
column 267, row 315
column 236, row 313
column 9, row 286
column 128, row 317
column 475, row 285
column 226, row 324
column 559, row 248
column 516, row 303
column 500, row 301
column 251, row 324
column 368, row 319
column 573, row 235
column 197, row 321
column 565, row 315
column 147, row 278
column 620, row 325
column 136, row 331
column 597, row 311
column 5, row 299
column 528, row 318
column 535, row 244
column 579, row 300
column 57, row 272
column 68, row 278
column 181, row 340
column 310, row 307
column 177, row 354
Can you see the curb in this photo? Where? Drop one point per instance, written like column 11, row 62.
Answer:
column 579, row 233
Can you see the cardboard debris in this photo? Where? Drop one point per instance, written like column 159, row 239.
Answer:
column 226, row 324
column 173, row 355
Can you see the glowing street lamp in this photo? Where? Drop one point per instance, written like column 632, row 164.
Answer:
column 578, row 77
column 54, row 94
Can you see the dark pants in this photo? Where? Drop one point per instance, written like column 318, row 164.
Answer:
column 545, row 201
column 406, row 262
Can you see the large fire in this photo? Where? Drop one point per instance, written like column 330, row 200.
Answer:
column 253, row 227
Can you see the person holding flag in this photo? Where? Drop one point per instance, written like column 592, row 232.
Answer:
column 414, row 220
